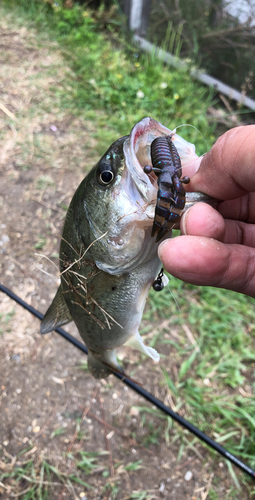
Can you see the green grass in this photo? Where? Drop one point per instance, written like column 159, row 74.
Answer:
column 36, row 478
column 216, row 375
column 112, row 83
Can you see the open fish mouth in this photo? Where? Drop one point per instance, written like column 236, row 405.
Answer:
column 137, row 151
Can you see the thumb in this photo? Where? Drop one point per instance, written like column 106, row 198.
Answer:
column 204, row 261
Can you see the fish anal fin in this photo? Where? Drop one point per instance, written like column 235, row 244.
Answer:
column 136, row 342
column 57, row 314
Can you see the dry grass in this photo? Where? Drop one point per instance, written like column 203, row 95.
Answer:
column 39, row 143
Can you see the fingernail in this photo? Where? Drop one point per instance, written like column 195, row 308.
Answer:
column 161, row 246
column 184, row 220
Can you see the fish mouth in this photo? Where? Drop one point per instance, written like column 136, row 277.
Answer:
column 137, row 152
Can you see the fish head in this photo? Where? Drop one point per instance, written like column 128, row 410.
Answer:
column 117, row 200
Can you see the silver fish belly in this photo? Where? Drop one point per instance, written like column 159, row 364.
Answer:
column 108, row 259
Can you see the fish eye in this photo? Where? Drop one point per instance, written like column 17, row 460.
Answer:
column 105, row 174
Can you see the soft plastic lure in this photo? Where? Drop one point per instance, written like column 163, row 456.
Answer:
column 171, row 193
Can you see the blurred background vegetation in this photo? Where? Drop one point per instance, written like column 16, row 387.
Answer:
column 215, row 39
column 123, row 84
column 216, row 35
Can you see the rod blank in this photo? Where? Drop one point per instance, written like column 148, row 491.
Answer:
column 147, row 395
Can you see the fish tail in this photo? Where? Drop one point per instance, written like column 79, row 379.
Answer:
column 100, row 365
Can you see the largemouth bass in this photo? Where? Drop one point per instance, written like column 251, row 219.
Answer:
column 108, row 259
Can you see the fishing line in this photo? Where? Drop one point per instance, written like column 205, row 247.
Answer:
column 192, row 126
column 167, row 288
column 142, row 392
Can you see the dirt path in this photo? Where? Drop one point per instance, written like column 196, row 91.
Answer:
column 49, row 405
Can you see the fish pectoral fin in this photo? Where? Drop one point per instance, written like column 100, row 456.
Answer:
column 136, row 342
column 57, row 315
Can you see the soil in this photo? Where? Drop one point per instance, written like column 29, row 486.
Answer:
column 50, row 405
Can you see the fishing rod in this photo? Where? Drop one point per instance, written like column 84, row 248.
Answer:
column 142, row 392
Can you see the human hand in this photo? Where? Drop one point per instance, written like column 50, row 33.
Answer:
column 218, row 246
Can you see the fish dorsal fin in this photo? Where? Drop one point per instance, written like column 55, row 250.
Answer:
column 57, row 315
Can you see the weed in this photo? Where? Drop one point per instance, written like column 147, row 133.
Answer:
column 141, row 495
column 111, row 489
column 33, row 480
column 152, row 432
column 5, row 318
column 40, row 243
column 88, row 460
column 57, row 432
column 44, row 181
column 132, row 466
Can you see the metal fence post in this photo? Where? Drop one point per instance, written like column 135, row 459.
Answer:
column 138, row 14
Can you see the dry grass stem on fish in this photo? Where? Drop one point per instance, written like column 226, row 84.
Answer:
column 84, row 253
column 87, row 299
column 145, row 205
